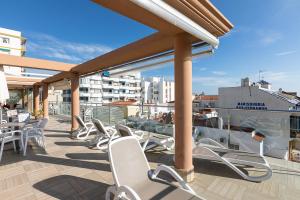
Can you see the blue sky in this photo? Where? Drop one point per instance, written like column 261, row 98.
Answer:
column 265, row 37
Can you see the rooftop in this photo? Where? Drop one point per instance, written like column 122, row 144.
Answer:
column 70, row 170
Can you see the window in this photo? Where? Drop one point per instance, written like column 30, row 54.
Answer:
column 84, row 90
column 67, row 99
column 294, row 126
column 4, row 40
column 66, row 91
column 84, row 99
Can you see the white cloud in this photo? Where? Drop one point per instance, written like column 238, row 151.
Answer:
column 275, row 76
column 267, row 37
column 284, row 53
column 215, row 81
column 49, row 46
column 202, row 69
column 219, row 73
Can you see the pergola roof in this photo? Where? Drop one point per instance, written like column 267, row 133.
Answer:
column 202, row 13
column 20, row 61
column 21, row 81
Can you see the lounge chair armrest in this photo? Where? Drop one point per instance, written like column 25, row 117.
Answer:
column 129, row 193
column 89, row 124
column 174, row 174
column 139, row 133
column 208, row 140
column 111, row 131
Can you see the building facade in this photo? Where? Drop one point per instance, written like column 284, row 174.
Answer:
column 12, row 43
column 157, row 90
column 101, row 89
column 255, row 106
column 203, row 101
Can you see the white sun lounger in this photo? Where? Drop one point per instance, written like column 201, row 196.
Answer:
column 150, row 142
column 207, row 148
column 84, row 128
column 104, row 135
column 126, row 131
column 133, row 178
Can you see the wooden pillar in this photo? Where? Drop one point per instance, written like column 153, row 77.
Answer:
column 36, row 100
column 45, row 100
column 183, row 107
column 74, row 100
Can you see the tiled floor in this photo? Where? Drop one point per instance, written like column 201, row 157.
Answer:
column 69, row 170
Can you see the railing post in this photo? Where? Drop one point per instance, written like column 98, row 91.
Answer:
column 109, row 114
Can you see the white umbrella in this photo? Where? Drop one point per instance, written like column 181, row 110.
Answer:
column 3, row 92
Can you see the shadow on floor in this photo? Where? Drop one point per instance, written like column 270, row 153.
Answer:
column 69, row 162
column 57, row 131
column 88, row 156
column 200, row 166
column 72, row 187
column 57, row 135
column 79, row 143
column 67, row 121
column 215, row 168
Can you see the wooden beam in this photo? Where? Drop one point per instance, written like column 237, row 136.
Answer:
column 202, row 12
column 18, row 87
column 148, row 46
column 20, row 83
column 34, row 63
column 58, row 77
column 137, row 13
column 23, row 79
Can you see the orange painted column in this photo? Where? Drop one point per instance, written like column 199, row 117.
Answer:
column 45, row 100
column 36, row 100
column 183, row 107
column 74, row 100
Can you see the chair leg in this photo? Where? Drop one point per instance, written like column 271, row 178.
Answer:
column 25, row 146
column 1, row 150
column 15, row 148
column 110, row 193
column 21, row 145
column 43, row 142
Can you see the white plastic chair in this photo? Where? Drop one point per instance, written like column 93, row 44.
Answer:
column 149, row 142
column 35, row 132
column 133, row 178
column 8, row 135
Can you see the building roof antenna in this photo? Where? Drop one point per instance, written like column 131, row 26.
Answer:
column 260, row 76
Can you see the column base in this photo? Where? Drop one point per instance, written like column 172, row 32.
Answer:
column 187, row 175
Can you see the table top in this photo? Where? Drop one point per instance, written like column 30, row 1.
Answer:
column 12, row 124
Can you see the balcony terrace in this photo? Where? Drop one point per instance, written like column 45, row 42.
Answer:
column 67, row 169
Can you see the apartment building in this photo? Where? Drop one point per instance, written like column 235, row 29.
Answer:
column 157, row 90
column 12, row 43
column 106, row 89
column 255, row 106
